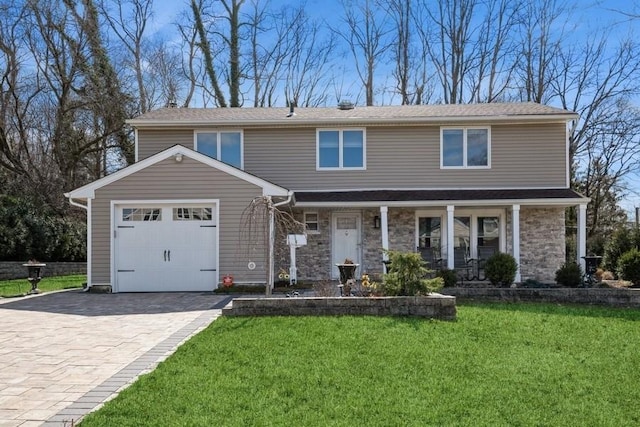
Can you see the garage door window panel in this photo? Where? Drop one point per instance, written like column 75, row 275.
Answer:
column 192, row 214
column 141, row 214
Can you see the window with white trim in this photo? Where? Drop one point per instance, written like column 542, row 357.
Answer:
column 341, row 149
column 226, row 146
column 467, row 147
column 312, row 222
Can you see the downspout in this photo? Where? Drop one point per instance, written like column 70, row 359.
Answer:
column 272, row 238
column 86, row 208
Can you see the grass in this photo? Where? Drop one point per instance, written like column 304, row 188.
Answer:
column 19, row 287
column 498, row 365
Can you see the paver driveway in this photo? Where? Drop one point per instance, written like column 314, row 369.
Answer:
column 62, row 354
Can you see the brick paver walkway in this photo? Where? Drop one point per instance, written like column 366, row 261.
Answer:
column 63, row 354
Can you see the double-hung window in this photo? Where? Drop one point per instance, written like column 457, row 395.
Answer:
column 467, row 147
column 225, row 146
column 341, row 149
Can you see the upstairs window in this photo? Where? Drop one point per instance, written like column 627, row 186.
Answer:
column 225, row 146
column 341, row 149
column 465, row 147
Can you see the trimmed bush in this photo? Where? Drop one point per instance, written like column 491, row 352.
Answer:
column 449, row 277
column 406, row 276
column 501, row 269
column 629, row 266
column 569, row 275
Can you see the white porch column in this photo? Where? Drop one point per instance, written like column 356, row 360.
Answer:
column 581, row 235
column 450, row 224
column 384, row 228
column 515, row 235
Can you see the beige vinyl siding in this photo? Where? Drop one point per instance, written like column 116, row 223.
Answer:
column 151, row 142
column 409, row 157
column 530, row 155
column 186, row 180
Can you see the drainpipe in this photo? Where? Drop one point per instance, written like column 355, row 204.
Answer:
column 272, row 238
column 86, row 208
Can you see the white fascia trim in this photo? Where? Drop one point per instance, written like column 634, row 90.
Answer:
column 440, row 203
column 344, row 190
column 541, row 118
column 88, row 191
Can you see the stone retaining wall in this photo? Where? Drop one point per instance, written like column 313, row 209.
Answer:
column 596, row 296
column 15, row 270
column 433, row 306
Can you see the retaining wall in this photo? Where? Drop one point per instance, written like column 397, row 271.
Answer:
column 595, row 296
column 15, row 270
column 432, row 306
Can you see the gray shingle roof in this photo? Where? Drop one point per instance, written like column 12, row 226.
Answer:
column 382, row 114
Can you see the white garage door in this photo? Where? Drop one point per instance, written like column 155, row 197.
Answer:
column 165, row 248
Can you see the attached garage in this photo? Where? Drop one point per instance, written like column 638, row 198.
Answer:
column 165, row 247
column 173, row 223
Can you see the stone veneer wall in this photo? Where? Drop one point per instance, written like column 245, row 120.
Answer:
column 542, row 242
column 15, row 270
column 314, row 259
column 433, row 306
column 596, row 296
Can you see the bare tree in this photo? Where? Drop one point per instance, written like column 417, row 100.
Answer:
column 542, row 31
column 452, row 52
column 128, row 20
column 365, row 31
column 269, row 34
column 306, row 70
column 205, row 48
column 495, row 61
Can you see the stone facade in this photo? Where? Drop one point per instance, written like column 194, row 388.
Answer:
column 542, row 242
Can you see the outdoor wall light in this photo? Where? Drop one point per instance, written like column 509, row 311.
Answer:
column 178, row 157
column 376, row 222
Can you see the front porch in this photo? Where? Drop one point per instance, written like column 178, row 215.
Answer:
column 458, row 234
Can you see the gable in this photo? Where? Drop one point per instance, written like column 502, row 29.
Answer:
column 182, row 167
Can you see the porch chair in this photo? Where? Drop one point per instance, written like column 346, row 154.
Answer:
column 462, row 264
column 432, row 257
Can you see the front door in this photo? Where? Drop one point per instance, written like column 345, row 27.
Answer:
column 346, row 240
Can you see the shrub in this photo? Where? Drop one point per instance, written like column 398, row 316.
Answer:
column 622, row 241
column 407, row 275
column 569, row 275
column 629, row 266
column 449, row 277
column 501, row 269
column 32, row 231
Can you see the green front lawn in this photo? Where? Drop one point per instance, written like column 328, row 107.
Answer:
column 18, row 287
column 498, row 365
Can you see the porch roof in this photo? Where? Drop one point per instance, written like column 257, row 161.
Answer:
column 440, row 197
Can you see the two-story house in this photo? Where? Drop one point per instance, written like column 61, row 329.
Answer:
column 456, row 180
